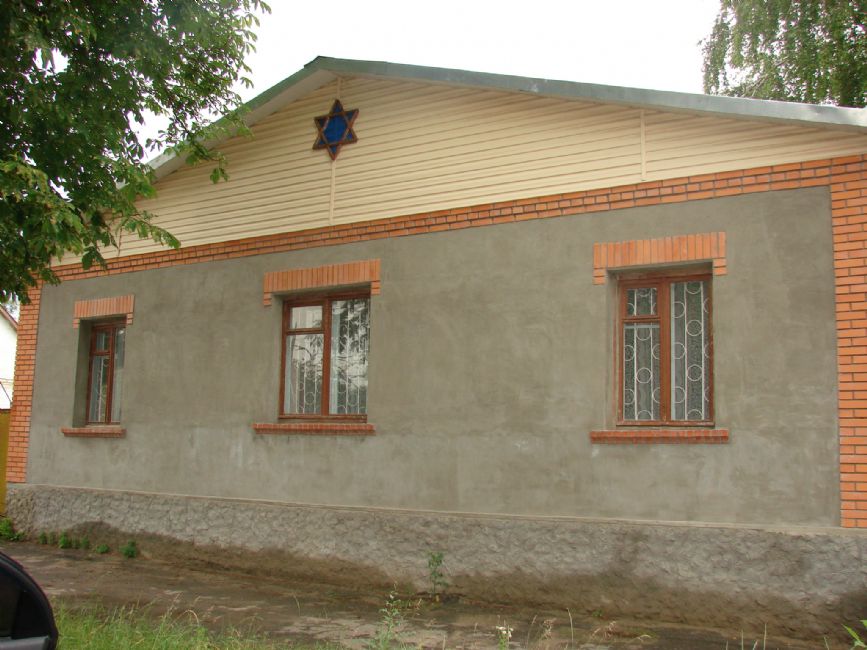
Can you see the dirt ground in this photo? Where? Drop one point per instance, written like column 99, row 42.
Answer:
column 301, row 611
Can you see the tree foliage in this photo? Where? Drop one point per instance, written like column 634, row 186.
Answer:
column 811, row 51
column 74, row 76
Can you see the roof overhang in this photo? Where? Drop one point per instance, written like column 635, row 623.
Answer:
column 5, row 315
column 323, row 70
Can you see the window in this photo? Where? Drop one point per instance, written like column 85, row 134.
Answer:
column 325, row 350
column 105, row 373
column 665, row 365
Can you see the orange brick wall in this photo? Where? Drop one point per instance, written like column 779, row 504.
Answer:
column 846, row 177
column 25, row 367
column 849, row 219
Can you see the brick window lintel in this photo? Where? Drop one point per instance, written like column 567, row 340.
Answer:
column 701, row 247
column 331, row 275
column 103, row 308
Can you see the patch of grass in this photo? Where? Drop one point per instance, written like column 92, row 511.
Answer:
column 43, row 538
column 99, row 629
column 102, row 549
column 129, row 550
column 64, row 541
column 7, row 531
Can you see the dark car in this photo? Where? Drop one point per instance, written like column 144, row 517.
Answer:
column 26, row 619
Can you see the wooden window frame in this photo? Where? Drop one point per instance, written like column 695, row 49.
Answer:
column 662, row 282
column 310, row 300
column 96, row 328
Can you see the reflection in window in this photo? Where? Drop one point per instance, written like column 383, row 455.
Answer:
column 106, row 373
column 326, row 338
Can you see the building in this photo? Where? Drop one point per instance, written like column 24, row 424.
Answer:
column 590, row 342
column 8, row 337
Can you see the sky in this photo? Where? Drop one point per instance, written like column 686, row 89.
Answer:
column 640, row 43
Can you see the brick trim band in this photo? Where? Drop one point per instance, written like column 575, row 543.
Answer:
column 103, row 307
column 332, row 275
column 93, row 432
column 846, row 177
column 709, row 246
column 315, row 428
column 658, row 436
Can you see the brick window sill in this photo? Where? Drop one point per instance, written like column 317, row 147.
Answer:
column 660, row 436
column 93, row 432
column 315, row 428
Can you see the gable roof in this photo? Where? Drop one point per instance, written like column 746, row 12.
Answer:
column 323, row 70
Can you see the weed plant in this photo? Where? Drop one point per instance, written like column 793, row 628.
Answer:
column 856, row 637
column 129, row 550
column 7, row 531
column 387, row 633
column 437, row 579
column 99, row 629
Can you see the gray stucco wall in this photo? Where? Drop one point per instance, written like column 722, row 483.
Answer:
column 491, row 360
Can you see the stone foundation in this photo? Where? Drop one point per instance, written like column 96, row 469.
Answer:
column 798, row 581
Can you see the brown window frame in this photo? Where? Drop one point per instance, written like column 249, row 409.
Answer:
column 112, row 327
column 662, row 282
column 310, row 300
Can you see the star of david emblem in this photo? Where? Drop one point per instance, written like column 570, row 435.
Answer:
column 335, row 129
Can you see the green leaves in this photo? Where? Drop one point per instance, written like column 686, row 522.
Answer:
column 73, row 76
column 812, row 51
column 856, row 638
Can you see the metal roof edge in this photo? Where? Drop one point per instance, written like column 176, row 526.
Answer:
column 810, row 115
column 740, row 107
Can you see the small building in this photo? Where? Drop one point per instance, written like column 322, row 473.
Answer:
column 600, row 346
column 8, row 338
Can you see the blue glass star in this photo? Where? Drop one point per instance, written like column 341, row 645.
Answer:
column 335, row 129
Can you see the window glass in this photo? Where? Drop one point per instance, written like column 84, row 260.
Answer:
column 325, row 357
column 117, row 383
column 665, row 350
column 98, row 388
column 349, row 345
column 306, row 318
column 641, row 302
column 690, row 353
column 303, row 382
column 102, row 339
column 106, row 373
column 641, row 371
